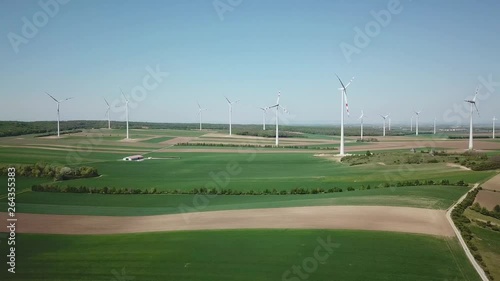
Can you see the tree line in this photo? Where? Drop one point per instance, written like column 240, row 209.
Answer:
column 56, row 172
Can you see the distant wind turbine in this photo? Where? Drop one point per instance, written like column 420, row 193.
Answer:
column 434, row 126
column 417, row 113
column 343, row 100
column 389, row 123
column 108, row 113
column 126, row 110
column 200, row 110
column 384, row 117
column 264, row 111
column 494, row 119
column 472, row 106
column 361, row 120
column 58, row 112
column 278, row 107
column 230, row 103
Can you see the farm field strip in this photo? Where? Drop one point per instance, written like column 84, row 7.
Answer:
column 217, row 255
column 381, row 218
column 431, row 197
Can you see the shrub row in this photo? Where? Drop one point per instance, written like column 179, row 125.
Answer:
column 462, row 223
column 44, row 170
column 215, row 191
column 495, row 213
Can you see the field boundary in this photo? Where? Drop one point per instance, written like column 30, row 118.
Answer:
column 461, row 240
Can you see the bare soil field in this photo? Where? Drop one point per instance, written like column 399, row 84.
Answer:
column 381, row 218
column 492, row 184
column 488, row 199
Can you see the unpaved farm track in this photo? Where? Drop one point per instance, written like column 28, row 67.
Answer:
column 399, row 219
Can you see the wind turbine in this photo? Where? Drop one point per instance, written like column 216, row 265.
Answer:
column 58, row 112
column 494, row 119
column 200, row 110
column 434, row 125
column 417, row 113
column 361, row 118
column 384, row 117
column 472, row 105
column 278, row 107
column 108, row 113
column 264, row 111
column 126, row 110
column 343, row 99
column 389, row 124
column 230, row 103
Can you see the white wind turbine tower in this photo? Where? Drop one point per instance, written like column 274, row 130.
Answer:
column 434, row 125
column 230, row 103
column 494, row 119
column 343, row 99
column 58, row 112
column 472, row 105
column 278, row 107
column 126, row 110
column 417, row 113
column 264, row 111
column 361, row 118
column 384, row 117
column 108, row 113
column 200, row 110
column 389, row 123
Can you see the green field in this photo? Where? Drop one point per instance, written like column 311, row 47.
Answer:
column 239, row 255
column 241, row 171
column 432, row 197
column 488, row 243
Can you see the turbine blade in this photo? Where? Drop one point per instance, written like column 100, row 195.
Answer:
column 228, row 101
column 198, row 105
column 349, row 83
column 475, row 105
column 52, row 97
column 278, row 99
column 475, row 95
column 124, row 95
column 346, row 104
column 341, row 83
column 107, row 102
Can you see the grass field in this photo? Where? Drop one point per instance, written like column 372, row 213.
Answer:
column 488, row 243
column 246, row 172
column 239, row 255
column 432, row 197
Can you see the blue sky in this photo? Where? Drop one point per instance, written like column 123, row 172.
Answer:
column 429, row 56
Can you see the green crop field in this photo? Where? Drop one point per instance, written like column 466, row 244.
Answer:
column 488, row 243
column 258, row 172
column 240, row 255
column 432, row 197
